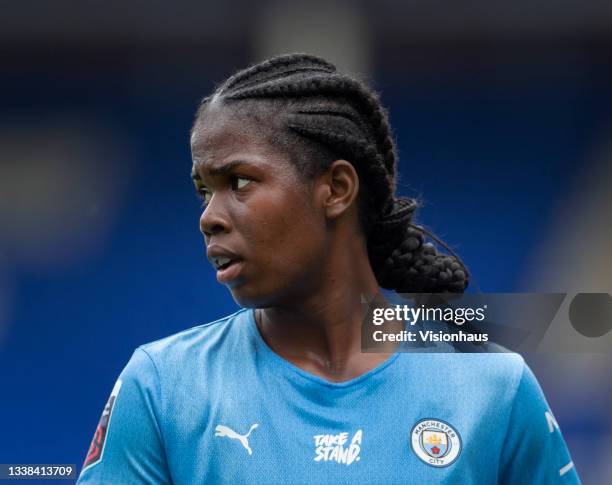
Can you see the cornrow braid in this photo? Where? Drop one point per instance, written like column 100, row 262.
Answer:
column 340, row 117
column 276, row 67
column 362, row 155
column 334, row 84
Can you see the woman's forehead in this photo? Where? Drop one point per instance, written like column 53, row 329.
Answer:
column 225, row 132
column 216, row 149
column 222, row 146
column 222, row 124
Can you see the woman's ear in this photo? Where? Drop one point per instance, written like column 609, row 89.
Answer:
column 337, row 188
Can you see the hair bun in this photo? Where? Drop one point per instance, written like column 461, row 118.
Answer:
column 400, row 214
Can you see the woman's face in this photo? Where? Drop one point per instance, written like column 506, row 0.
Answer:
column 263, row 230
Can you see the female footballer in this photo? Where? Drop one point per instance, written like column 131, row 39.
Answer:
column 295, row 163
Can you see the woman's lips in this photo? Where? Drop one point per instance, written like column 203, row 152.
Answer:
column 230, row 272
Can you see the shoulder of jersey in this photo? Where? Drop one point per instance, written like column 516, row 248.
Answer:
column 498, row 367
column 205, row 334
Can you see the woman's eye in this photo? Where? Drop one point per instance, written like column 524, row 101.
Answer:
column 205, row 195
column 240, row 182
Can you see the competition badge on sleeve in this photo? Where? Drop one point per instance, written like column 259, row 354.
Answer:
column 94, row 455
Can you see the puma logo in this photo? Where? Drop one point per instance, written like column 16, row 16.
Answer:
column 221, row 430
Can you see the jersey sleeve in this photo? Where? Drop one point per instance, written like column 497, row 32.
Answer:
column 127, row 447
column 534, row 450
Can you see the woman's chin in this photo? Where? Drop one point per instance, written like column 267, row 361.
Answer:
column 249, row 296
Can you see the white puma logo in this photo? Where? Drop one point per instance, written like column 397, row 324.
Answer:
column 221, row 430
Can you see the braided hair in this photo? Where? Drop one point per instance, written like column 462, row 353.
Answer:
column 325, row 115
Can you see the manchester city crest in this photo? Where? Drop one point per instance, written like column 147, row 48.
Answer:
column 435, row 442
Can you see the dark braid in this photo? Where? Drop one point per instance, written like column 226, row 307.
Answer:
column 340, row 117
column 335, row 84
column 277, row 66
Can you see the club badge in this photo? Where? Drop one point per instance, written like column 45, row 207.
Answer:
column 435, row 442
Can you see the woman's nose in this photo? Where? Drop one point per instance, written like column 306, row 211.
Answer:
column 214, row 220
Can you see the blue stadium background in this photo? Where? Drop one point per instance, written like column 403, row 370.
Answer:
column 493, row 148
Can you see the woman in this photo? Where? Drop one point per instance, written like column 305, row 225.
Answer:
column 296, row 167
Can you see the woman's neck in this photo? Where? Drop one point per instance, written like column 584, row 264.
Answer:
column 321, row 333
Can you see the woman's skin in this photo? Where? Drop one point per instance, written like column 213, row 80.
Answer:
column 302, row 257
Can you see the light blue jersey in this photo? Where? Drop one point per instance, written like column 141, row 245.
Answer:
column 214, row 404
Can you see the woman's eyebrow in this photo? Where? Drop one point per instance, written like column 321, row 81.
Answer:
column 223, row 169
